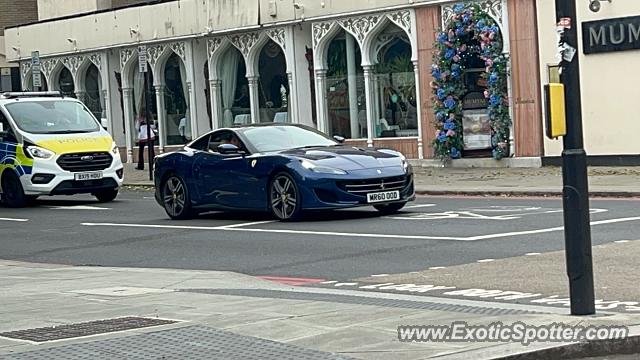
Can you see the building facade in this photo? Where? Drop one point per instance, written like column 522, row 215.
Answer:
column 608, row 50
column 358, row 69
column 13, row 13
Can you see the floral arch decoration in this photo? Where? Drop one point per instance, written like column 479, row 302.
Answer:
column 470, row 32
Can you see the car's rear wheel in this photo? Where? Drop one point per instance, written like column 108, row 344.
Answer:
column 175, row 198
column 284, row 197
column 12, row 192
column 388, row 209
column 106, row 195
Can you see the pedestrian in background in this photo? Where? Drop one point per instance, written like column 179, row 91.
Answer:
column 144, row 139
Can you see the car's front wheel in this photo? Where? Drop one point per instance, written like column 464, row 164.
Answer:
column 106, row 195
column 175, row 198
column 388, row 209
column 12, row 192
column 284, row 197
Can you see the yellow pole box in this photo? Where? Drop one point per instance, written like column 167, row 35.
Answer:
column 556, row 119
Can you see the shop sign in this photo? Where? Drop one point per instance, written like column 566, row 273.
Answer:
column 609, row 35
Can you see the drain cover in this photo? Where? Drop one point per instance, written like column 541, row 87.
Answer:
column 187, row 343
column 84, row 329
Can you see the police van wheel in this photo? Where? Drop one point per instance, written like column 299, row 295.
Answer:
column 106, row 195
column 388, row 209
column 12, row 192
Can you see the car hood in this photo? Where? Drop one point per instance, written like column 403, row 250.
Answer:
column 346, row 157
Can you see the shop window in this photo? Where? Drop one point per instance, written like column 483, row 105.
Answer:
column 273, row 91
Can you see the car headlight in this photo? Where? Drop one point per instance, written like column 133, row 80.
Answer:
column 405, row 163
column 40, row 153
column 321, row 169
column 114, row 149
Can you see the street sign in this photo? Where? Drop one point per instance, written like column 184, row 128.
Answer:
column 35, row 69
column 142, row 58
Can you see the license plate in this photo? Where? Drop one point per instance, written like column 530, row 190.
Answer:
column 383, row 196
column 88, row 176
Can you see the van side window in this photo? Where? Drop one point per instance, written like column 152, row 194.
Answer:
column 10, row 136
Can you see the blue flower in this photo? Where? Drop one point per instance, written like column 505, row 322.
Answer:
column 442, row 38
column 455, row 153
column 458, row 8
column 450, row 103
column 460, row 31
column 493, row 78
column 440, row 116
column 441, row 94
column 480, row 24
column 455, row 74
column 449, row 125
column 466, row 18
column 435, row 72
column 442, row 137
column 495, row 100
column 449, row 53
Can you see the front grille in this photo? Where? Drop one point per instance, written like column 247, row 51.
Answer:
column 85, row 161
column 363, row 187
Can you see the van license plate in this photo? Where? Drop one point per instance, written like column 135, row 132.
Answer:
column 383, row 196
column 88, row 176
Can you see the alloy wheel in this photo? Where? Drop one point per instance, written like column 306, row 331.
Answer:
column 174, row 197
column 284, row 197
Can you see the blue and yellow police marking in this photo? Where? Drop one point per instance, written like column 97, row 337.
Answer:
column 12, row 157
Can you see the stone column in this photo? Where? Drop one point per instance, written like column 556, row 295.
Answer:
column 254, row 99
column 193, row 114
column 416, row 72
column 321, row 100
column 216, row 104
column 370, row 106
column 129, row 120
column 162, row 122
column 353, row 87
column 292, row 101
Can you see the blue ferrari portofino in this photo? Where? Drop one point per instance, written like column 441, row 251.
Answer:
column 281, row 168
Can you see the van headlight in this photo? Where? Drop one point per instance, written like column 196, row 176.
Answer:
column 40, row 153
column 114, row 149
column 321, row 169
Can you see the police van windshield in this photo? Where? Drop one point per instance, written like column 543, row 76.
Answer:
column 52, row 117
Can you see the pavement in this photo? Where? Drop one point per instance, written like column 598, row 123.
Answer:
column 540, row 181
column 226, row 315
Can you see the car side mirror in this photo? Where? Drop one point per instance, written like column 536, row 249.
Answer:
column 227, row 149
column 105, row 123
column 338, row 138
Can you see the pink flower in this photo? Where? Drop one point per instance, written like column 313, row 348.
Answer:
column 450, row 133
column 444, row 75
column 492, row 35
column 437, row 133
column 463, row 48
column 486, row 94
column 456, row 58
column 489, row 62
column 452, row 116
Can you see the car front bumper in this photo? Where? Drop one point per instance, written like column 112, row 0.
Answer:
column 64, row 183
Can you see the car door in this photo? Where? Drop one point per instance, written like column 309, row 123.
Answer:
column 220, row 177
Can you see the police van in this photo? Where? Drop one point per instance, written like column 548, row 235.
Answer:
column 53, row 145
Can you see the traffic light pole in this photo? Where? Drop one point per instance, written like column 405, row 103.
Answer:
column 577, row 227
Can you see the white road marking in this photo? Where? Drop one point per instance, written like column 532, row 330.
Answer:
column 379, row 275
column 12, row 219
column 419, row 206
column 78, row 207
column 348, row 234
column 622, row 241
column 486, row 260
column 246, row 224
column 436, row 267
column 532, row 254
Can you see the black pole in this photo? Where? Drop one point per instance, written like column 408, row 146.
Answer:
column 577, row 227
column 148, row 116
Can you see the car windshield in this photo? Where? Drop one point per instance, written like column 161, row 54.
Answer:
column 278, row 138
column 52, row 117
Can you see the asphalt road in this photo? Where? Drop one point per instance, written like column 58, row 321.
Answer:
column 432, row 232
